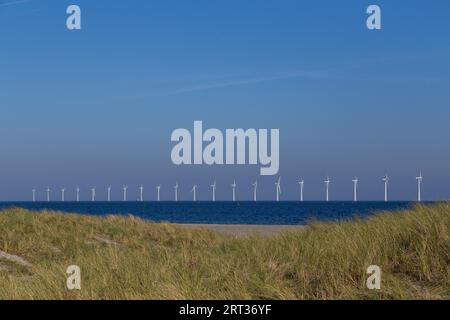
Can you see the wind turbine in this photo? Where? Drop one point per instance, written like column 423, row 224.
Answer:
column 327, row 184
column 93, row 194
column 158, row 190
column 419, row 187
column 302, row 184
column 355, row 189
column 33, row 191
column 176, row 191
column 386, row 182
column 109, row 193
column 125, row 188
column 213, row 186
column 141, row 191
column 78, row 193
column 194, row 190
column 62, row 194
column 234, row 190
column 278, row 186
column 48, row 194
column 255, row 190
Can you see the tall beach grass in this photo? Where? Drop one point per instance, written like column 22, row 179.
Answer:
column 129, row 258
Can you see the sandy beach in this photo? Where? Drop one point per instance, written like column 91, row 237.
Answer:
column 241, row 230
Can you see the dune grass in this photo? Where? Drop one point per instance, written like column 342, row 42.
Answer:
column 129, row 258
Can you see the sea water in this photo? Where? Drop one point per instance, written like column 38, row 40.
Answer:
column 265, row 213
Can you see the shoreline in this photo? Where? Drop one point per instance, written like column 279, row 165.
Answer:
column 244, row 230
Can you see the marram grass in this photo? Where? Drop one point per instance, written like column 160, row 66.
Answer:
column 129, row 258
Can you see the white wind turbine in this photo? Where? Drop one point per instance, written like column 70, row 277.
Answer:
column 234, row 190
column 194, row 190
column 255, row 190
column 386, row 182
column 78, row 193
column 141, row 193
column 278, row 186
column 419, row 187
column 176, row 191
column 109, row 193
column 213, row 186
column 327, row 185
column 158, row 191
column 33, row 191
column 302, row 184
column 48, row 194
column 93, row 194
column 355, row 189
column 63, row 191
column 125, row 189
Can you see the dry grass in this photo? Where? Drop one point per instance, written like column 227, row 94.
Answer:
column 128, row 258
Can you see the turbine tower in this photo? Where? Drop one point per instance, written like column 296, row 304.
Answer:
column 93, row 194
column 213, row 186
column 33, row 191
column 302, row 184
column 234, row 190
column 255, row 190
column 386, row 182
column 48, row 194
column 158, row 191
column 109, row 193
column 176, row 191
column 355, row 189
column 194, row 190
column 327, row 185
column 278, row 186
column 419, row 187
column 63, row 191
column 141, row 193
column 125, row 188
column 78, row 193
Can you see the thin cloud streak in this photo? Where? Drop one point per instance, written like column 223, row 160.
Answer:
column 12, row 3
column 246, row 81
column 209, row 82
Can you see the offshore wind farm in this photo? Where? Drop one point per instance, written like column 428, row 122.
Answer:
column 213, row 186
column 237, row 209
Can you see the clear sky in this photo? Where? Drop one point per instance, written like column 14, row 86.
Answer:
column 97, row 106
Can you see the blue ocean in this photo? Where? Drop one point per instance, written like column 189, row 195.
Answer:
column 263, row 213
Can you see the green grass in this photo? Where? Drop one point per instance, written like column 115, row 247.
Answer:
column 162, row 261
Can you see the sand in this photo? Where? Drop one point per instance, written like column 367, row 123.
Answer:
column 241, row 230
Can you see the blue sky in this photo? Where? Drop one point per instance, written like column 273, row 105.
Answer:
column 97, row 106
